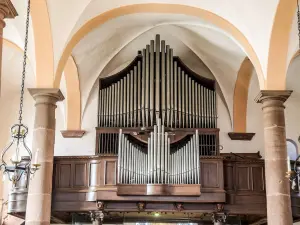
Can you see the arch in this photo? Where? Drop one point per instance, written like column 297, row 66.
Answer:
column 158, row 8
column 292, row 149
column 240, row 97
column 73, row 96
column 13, row 45
column 43, row 44
column 295, row 55
column 278, row 48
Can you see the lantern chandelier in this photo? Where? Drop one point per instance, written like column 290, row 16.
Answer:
column 19, row 164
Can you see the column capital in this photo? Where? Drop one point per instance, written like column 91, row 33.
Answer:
column 46, row 92
column 280, row 95
column 7, row 9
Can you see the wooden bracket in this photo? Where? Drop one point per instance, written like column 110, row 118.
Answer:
column 240, row 136
column 72, row 133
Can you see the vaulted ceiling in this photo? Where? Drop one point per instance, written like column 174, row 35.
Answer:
column 103, row 37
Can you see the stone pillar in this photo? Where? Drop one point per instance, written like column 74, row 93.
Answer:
column 7, row 10
column 38, row 209
column 277, row 185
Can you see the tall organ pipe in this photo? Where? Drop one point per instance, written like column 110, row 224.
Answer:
column 152, row 97
column 163, row 81
column 157, row 76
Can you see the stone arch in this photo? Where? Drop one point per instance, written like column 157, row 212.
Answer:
column 278, row 48
column 240, row 97
column 43, row 44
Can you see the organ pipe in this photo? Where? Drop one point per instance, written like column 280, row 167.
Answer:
column 158, row 163
column 156, row 91
column 158, row 85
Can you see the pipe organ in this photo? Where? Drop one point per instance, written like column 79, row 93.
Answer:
column 157, row 99
column 157, row 163
column 157, row 85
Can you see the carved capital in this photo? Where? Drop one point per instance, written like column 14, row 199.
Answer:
column 97, row 216
column 7, row 9
column 219, row 218
column 100, row 205
column 179, row 206
column 141, row 206
column 280, row 95
column 46, row 93
column 219, row 207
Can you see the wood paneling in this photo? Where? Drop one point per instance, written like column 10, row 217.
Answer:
column 80, row 178
column 243, row 178
column 110, row 172
column 228, row 177
column 89, row 179
column 209, row 172
column 94, row 176
column 65, row 176
column 258, row 178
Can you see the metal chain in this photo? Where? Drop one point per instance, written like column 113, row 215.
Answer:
column 24, row 63
column 298, row 16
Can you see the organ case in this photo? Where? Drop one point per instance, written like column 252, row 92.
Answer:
column 159, row 117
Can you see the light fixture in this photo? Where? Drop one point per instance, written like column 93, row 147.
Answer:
column 156, row 214
column 19, row 164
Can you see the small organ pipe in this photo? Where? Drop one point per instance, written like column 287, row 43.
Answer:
column 179, row 97
column 158, row 149
column 190, row 102
column 193, row 104
column 140, row 95
column 132, row 102
column 155, row 154
column 135, row 100
column 112, row 119
column 152, row 158
column 118, row 124
column 100, row 108
column 183, row 98
column 166, row 164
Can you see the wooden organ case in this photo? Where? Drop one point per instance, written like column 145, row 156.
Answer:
column 158, row 117
column 157, row 153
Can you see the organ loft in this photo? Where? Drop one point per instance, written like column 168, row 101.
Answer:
column 158, row 155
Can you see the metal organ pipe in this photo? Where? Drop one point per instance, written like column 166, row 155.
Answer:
column 157, row 76
column 156, row 164
column 157, row 86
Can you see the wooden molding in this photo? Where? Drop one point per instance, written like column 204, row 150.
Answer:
column 240, row 136
column 72, row 133
column 159, row 189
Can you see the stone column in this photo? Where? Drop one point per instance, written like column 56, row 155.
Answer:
column 38, row 209
column 277, row 185
column 7, row 10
